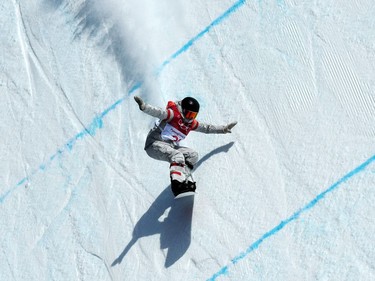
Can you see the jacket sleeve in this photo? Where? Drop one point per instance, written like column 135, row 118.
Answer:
column 210, row 129
column 163, row 114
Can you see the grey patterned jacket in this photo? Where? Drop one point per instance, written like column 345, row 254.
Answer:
column 162, row 114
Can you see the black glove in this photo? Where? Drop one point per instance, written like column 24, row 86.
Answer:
column 140, row 102
column 228, row 128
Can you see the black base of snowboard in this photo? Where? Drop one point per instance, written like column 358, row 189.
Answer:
column 182, row 189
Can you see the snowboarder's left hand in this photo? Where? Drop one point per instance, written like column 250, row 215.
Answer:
column 228, row 128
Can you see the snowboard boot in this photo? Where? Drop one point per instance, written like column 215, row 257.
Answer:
column 177, row 171
column 179, row 182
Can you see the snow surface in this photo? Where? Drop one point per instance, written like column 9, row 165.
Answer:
column 289, row 195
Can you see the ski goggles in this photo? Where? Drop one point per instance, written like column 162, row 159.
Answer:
column 190, row 114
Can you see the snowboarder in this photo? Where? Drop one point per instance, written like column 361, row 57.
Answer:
column 174, row 124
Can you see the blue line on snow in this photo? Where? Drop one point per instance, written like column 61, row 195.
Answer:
column 224, row 270
column 97, row 122
column 190, row 43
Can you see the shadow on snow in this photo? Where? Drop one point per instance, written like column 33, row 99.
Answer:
column 175, row 229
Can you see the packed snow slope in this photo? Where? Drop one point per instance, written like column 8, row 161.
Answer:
column 289, row 195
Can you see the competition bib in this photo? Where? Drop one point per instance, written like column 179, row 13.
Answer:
column 171, row 133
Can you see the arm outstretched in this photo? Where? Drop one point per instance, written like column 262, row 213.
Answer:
column 151, row 110
column 212, row 129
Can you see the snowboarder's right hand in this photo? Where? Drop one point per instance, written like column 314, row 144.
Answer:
column 140, row 102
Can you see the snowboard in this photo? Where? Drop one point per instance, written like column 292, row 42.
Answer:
column 183, row 190
column 184, row 194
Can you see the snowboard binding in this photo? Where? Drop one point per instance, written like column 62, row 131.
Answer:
column 182, row 187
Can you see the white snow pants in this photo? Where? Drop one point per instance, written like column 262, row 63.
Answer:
column 177, row 156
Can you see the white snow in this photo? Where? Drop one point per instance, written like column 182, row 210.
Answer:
column 289, row 195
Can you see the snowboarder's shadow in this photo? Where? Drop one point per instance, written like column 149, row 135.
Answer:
column 174, row 226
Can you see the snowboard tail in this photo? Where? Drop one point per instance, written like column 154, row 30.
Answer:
column 185, row 194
